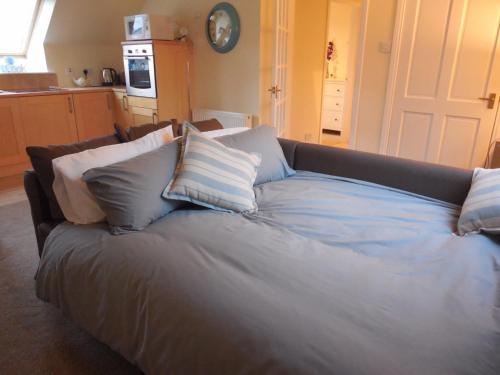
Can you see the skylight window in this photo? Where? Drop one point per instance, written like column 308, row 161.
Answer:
column 17, row 19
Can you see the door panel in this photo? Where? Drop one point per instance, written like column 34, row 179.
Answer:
column 11, row 140
column 94, row 114
column 121, row 109
column 48, row 119
column 415, row 132
column 447, row 53
column 460, row 134
column 427, row 49
column 476, row 51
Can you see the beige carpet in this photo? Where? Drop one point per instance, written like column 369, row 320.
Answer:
column 34, row 337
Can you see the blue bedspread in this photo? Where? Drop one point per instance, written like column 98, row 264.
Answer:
column 329, row 276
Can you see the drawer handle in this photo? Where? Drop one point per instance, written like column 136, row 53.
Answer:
column 125, row 103
column 70, row 104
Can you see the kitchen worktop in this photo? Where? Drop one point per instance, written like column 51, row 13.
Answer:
column 59, row 91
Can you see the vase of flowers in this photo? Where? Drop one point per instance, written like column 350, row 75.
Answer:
column 331, row 59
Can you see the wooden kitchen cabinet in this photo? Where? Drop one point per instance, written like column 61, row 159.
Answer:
column 41, row 120
column 94, row 114
column 48, row 119
column 141, row 116
column 123, row 115
column 12, row 144
column 173, row 76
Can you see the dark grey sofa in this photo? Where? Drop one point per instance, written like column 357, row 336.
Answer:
column 444, row 183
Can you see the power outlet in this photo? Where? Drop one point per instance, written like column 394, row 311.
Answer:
column 68, row 71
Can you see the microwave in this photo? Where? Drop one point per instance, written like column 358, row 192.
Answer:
column 149, row 26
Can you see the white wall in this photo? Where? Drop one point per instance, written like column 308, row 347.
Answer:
column 228, row 82
column 86, row 34
column 381, row 14
column 309, row 49
column 340, row 32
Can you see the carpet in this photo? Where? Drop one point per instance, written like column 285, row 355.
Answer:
column 35, row 338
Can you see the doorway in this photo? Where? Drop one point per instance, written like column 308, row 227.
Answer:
column 309, row 100
column 339, row 72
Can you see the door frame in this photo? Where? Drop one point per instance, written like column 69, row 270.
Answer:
column 360, row 56
column 393, row 69
column 266, row 55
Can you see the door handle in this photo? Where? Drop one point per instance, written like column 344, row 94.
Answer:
column 274, row 90
column 490, row 99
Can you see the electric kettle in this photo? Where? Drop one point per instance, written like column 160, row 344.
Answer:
column 109, row 77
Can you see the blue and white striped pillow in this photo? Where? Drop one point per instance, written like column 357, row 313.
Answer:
column 212, row 175
column 481, row 210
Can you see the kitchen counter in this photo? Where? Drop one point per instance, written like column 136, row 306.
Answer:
column 61, row 91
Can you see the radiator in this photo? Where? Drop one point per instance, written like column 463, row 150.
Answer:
column 227, row 119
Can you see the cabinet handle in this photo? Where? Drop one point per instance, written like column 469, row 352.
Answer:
column 125, row 103
column 155, row 117
column 70, row 104
column 108, row 100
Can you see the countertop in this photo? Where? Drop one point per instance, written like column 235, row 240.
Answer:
column 62, row 91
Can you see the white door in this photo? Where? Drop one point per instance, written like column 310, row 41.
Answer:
column 446, row 57
column 280, row 65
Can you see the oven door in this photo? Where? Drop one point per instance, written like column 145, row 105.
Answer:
column 140, row 76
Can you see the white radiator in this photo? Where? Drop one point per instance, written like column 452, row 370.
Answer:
column 227, row 119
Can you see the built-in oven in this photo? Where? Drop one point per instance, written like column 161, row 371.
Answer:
column 139, row 65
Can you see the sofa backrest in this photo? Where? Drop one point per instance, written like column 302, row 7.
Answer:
column 435, row 181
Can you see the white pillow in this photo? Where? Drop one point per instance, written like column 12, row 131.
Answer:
column 77, row 203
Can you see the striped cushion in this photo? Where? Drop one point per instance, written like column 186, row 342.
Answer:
column 213, row 175
column 481, row 210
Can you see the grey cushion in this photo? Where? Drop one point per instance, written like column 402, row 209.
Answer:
column 129, row 192
column 261, row 140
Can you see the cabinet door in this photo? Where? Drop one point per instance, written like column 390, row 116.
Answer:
column 48, row 119
column 12, row 143
column 122, row 110
column 172, row 80
column 94, row 114
column 141, row 116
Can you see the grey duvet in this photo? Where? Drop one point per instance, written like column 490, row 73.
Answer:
column 330, row 276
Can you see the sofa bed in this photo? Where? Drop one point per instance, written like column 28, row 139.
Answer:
column 350, row 266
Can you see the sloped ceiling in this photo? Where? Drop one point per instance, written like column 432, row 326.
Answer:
column 90, row 21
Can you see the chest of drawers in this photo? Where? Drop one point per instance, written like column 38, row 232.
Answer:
column 332, row 114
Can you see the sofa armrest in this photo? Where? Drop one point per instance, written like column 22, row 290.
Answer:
column 39, row 204
column 444, row 183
